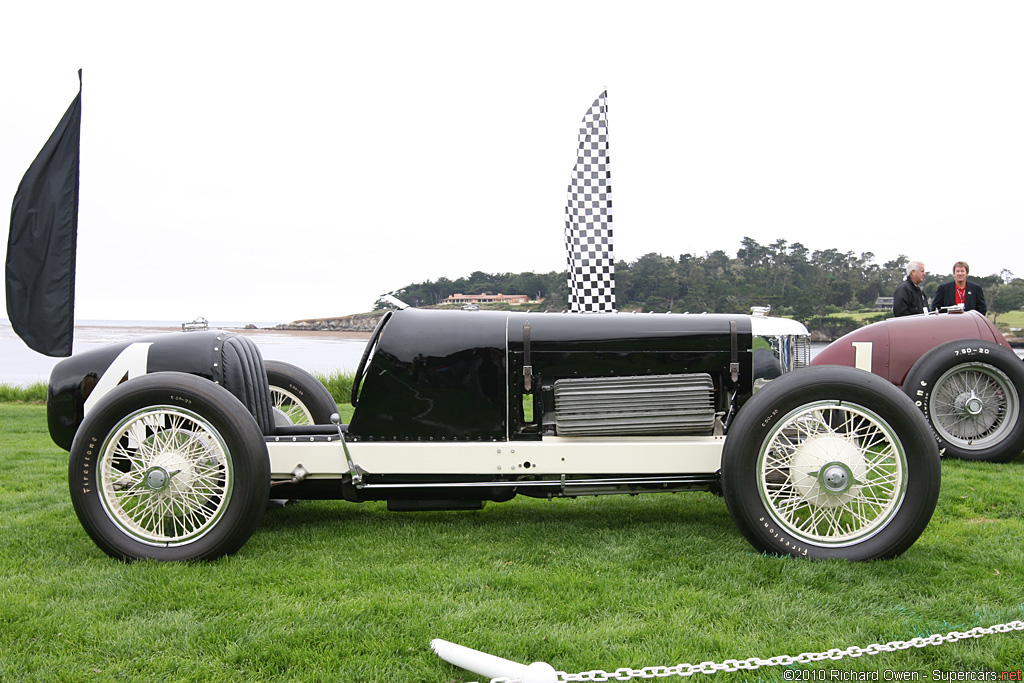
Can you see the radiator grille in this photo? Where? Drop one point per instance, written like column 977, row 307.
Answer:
column 644, row 405
column 801, row 352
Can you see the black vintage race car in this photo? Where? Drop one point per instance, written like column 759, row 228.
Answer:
column 178, row 441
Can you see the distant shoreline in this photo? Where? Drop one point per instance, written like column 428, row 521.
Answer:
column 303, row 332
column 130, row 330
column 314, row 351
column 357, row 323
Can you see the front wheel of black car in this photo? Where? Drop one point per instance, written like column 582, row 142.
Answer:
column 170, row 467
column 297, row 397
column 830, row 462
column 970, row 392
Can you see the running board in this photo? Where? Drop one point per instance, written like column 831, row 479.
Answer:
column 568, row 486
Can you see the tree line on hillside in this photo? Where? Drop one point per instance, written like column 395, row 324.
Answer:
column 789, row 277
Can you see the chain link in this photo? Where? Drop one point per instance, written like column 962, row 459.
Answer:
column 731, row 665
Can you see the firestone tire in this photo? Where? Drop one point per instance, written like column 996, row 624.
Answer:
column 970, row 392
column 297, row 397
column 830, row 462
column 169, row 467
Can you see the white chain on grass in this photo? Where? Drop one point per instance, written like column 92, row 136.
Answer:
column 626, row 674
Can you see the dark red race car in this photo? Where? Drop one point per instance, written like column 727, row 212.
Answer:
column 959, row 371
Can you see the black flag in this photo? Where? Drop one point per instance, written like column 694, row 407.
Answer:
column 41, row 245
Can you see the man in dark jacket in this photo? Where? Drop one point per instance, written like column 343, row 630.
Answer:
column 909, row 298
column 960, row 291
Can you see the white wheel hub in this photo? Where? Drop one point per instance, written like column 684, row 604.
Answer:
column 828, row 470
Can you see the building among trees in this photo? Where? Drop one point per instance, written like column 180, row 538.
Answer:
column 485, row 299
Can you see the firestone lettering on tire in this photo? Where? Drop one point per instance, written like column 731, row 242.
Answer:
column 799, row 549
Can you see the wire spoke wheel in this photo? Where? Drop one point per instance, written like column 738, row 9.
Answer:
column 970, row 392
column 297, row 397
column 165, row 476
column 288, row 409
column 832, row 473
column 974, row 405
column 169, row 466
column 830, row 462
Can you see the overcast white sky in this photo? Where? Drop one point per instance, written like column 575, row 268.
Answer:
column 253, row 161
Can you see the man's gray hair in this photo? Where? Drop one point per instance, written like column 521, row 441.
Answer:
column 913, row 265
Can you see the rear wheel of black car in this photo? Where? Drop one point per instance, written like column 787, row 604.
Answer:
column 830, row 462
column 297, row 397
column 970, row 392
column 171, row 467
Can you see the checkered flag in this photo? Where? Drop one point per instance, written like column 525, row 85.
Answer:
column 588, row 217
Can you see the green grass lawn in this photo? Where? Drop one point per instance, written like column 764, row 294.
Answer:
column 1011, row 319
column 860, row 316
column 333, row 591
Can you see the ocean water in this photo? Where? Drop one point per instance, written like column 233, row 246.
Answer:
column 312, row 351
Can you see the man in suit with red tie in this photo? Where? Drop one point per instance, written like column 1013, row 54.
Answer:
column 960, row 291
